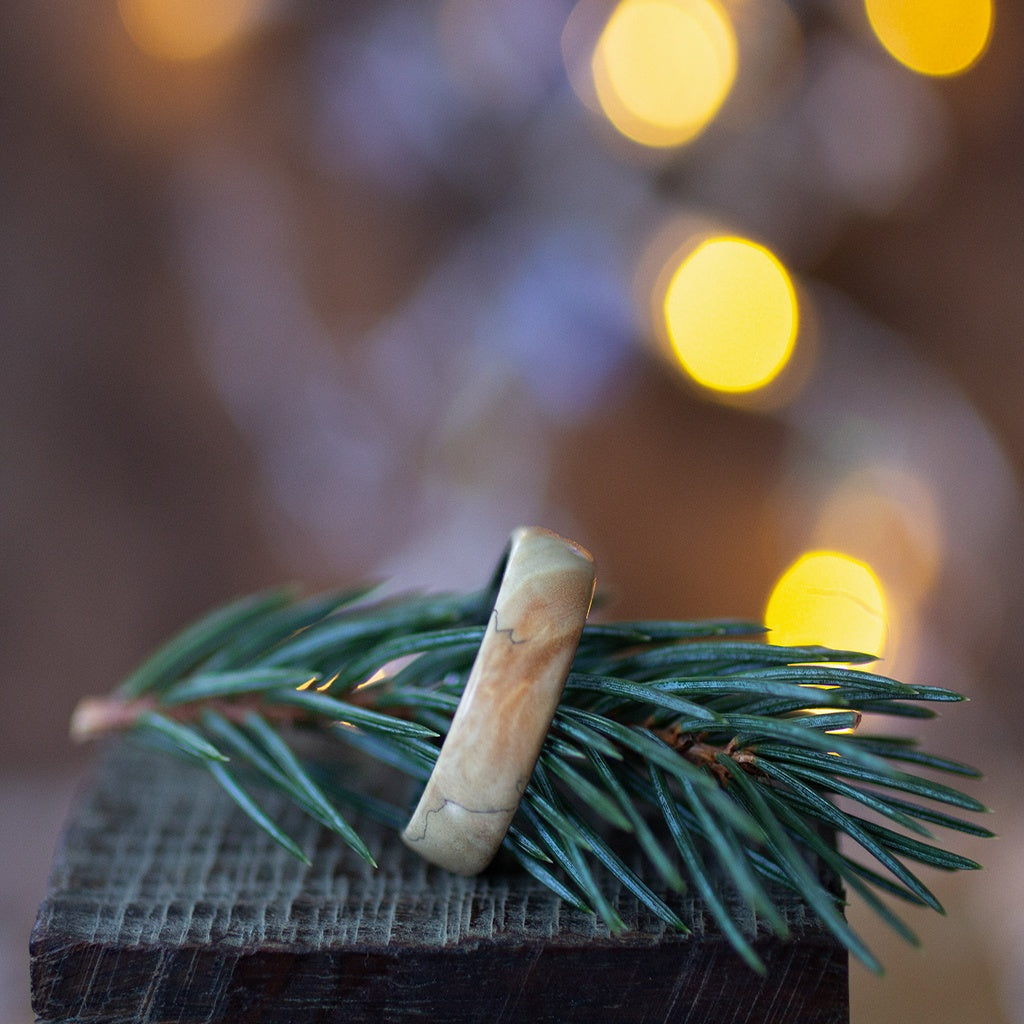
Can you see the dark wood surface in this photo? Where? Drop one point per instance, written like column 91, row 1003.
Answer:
column 166, row 905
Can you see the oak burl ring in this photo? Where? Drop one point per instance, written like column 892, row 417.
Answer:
column 506, row 709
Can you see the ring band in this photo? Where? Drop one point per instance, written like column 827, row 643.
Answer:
column 508, row 703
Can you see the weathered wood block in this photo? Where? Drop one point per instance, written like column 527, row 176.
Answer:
column 166, row 905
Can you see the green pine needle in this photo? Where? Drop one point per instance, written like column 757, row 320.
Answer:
column 187, row 740
column 694, row 866
column 208, row 686
column 254, row 811
column 687, row 747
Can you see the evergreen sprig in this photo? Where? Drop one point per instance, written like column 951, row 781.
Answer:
column 715, row 753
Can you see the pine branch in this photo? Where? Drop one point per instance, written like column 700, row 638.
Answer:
column 695, row 745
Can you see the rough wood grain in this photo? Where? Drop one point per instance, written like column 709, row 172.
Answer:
column 165, row 905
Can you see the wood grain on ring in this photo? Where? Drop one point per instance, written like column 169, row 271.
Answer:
column 506, row 709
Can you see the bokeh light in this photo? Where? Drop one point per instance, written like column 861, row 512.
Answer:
column 731, row 314
column 663, row 68
column 933, row 37
column 893, row 518
column 186, row 30
column 828, row 598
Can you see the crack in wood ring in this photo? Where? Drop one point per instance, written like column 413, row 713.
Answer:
column 506, row 709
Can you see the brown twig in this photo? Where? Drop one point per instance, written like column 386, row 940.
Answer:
column 696, row 750
column 97, row 716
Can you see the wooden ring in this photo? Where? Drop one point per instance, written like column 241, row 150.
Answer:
column 506, row 709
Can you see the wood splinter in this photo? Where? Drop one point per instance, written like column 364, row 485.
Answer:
column 506, row 709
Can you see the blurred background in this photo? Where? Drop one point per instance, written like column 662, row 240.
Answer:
column 727, row 290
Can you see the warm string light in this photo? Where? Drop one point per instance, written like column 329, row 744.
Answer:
column 828, row 598
column 663, row 68
column 893, row 517
column 933, row 37
column 186, row 30
column 832, row 599
column 731, row 314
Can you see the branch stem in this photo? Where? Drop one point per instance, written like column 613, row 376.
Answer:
column 98, row 716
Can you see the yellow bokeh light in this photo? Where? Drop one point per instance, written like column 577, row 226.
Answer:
column 186, row 30
column 933, row 37
column 892, row 516
column 662, row 68
column 828, row 598
column 731, row 314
